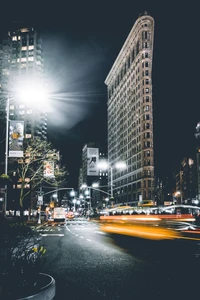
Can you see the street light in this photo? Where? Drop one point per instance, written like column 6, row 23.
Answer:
column 32, row 94
column 180, row 194
column 72, row 194
column 106, row 165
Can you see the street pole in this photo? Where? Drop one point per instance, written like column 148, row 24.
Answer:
column 39, row 217
column 111, row 181
column 90, row 195
column 6, row 151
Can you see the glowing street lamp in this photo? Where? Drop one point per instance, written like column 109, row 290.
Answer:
column 104, row 165
column 179, row 194
column 72, row 194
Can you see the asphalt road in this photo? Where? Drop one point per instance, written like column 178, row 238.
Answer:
column 89, row 264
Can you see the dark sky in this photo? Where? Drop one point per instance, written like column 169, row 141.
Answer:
column 81, row 40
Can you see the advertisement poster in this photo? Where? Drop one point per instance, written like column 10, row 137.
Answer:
column 16, row 136
column 92, row 161
column 48, row 168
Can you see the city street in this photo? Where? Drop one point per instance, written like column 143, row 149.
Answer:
column 89, row 264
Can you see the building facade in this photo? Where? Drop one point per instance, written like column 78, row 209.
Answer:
column 98, row 195
column 22, row 75
column 197, row 136
column 130, row 115
column 22, row 68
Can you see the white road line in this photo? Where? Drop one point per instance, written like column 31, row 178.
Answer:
column 82, row 237
column 53, row 234
column 100, row 232
column 88, row 240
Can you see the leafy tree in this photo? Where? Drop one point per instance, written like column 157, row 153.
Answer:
column 30, row 169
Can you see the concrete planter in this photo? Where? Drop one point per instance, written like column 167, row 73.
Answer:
column 46, row 292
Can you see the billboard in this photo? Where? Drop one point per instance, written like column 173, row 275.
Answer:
column 16, row 137
column 48, row 168
column 92, row 161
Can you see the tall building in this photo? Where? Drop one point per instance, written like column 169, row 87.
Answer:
column 186, row 187
column 21, row 70
column 92, row 153
column 27, row 70
column 22, row 67
column 130, row 115
column 197, row 135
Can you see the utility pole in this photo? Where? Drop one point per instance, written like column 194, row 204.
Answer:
column 40, row 202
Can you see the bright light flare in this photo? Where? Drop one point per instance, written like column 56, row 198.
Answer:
column 34, row 96
column 72, row 193
column 103, row 165
column 95, row 185
column 120, row 165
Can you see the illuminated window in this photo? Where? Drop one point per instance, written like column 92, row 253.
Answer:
column 30, row 47
column 24, row 48
column 29, row 111
column 14, row 38
column 28, row 136
column 23, row 59
column 31, row 58
column 12, row 107
column 21, row 112
column 19, row 37
column 21, row 106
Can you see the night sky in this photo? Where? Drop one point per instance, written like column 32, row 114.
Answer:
column 81, row 40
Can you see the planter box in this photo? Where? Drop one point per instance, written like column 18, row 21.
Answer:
column 46, row 291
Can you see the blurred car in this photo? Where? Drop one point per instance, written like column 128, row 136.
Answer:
column 69, row 215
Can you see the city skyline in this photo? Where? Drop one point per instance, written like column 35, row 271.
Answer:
column 80, row 50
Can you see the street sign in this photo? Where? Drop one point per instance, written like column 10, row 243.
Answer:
column 40, row 200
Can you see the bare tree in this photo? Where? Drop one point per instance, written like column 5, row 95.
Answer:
column 39, row 164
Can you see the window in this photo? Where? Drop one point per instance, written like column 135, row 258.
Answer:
column 147, row 107
column 29, row 112
column 147, row 126
column 137, row 48
column 147, row 90
column 133, row 55
column 146, row 64
column 14, row 38
column 24, row 48
column 146, row 72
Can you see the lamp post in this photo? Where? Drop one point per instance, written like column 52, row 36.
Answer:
column 94, row 187
column 180, row 194
column 34, row 94
column 72, row 194
column 6, row 150
column 106, row 165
